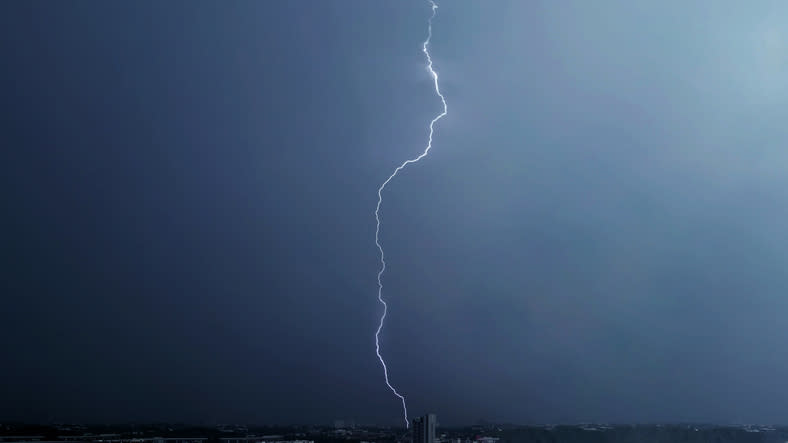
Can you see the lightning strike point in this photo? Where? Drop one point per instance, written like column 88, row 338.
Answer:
column 425, row 49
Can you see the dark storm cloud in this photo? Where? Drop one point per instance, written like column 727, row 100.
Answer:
column 598, row 233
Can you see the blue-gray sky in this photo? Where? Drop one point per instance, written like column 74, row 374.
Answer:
column 598, row 234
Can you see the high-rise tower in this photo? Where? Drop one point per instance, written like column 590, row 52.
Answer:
column 424, row 429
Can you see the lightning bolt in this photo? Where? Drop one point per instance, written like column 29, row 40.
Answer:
column 425, row 49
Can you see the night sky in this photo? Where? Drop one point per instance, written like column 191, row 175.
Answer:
column 599, row 233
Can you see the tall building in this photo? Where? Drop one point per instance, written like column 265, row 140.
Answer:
column 424, row 429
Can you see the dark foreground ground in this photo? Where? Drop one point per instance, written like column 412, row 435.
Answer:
column 645, row 434
column 586, row 433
